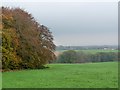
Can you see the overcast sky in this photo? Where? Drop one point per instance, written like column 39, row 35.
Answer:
column 76, row 23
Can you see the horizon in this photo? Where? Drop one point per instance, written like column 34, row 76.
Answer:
column 90, row 45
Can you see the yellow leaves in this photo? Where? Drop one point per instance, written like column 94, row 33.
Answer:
column 2, row 26
column 9, row 22
column 8, row 50
column 4, row 16
column 9, row 41
column 8, row 16
column 9, row 56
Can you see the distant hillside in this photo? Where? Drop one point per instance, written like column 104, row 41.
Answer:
column 105, row 47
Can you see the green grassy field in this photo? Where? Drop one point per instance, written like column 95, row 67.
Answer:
column 90, row 51
column 91, row 75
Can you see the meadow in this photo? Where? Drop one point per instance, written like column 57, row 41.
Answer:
column 89, row 75
column 90, row 51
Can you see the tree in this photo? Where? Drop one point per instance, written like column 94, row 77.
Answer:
column 34, row 42
column 81, row 57
column 68, row 57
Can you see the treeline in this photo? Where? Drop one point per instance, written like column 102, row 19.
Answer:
column 25, row 43
column 108, row 47
column 80, row 57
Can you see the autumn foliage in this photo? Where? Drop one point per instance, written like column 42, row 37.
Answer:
column 25, row 43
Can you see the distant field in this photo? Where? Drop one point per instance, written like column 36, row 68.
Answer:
column 90, row 51
column 91, row 75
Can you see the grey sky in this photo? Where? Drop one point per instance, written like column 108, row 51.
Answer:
column 76, row 23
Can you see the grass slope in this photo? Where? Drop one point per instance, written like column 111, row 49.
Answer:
column 90, row 51
column 91, row 75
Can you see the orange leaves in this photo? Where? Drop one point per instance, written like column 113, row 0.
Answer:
column 7, row 19
column 11, row 18
column 9, row 42
column 16, row 41
column 9, row 59
column 4, row 17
